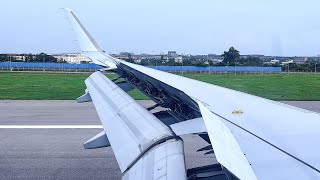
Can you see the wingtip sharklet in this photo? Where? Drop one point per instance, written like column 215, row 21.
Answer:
column 88, row 45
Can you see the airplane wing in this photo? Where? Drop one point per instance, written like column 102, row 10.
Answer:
column 251, row 137
column 90, row 48
column 144, row 147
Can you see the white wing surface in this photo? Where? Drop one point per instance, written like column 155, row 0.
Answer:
column 292, row 133
column 262, row 139
column 226, row 148
column 138, row 139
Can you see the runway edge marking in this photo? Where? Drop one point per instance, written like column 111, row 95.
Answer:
column 50, row 126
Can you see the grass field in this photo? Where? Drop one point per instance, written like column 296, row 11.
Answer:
column 69, row 86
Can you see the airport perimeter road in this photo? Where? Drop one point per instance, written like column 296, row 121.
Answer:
column 29, row 151
column 309, row 105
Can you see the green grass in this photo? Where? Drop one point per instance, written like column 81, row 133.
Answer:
column 274, row 86
column 46, row 86
column 56, row 86
column 41, row 85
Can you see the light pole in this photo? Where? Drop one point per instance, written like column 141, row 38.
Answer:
column 228, row 68
column 235, row 67
column 182, row 63
column 154, row 55
column 10, row 58
column 43, row 62
column 209, row 66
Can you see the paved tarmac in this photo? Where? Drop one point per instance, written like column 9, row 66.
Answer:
column 58, row 153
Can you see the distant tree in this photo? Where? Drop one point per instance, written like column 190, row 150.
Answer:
column 61, row 60
column 29, row 57
column 6, row 57
column 251, row 61
column 3, row 57
column 171, row 62
column 230, row 56
column 144, row 62
column 130, row 57
column 43, row 57
column 201, row 64
column 187, row 62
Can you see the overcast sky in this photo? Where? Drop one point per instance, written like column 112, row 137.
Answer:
column 270, row 27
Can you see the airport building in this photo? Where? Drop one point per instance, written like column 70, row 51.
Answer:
column 172, row 54
column 300, row 60
column 16, row 57
column 72, row 58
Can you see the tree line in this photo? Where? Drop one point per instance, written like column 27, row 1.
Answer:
column 232, row 57
column 229, row 58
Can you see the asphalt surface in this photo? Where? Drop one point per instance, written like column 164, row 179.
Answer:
column 58, row 153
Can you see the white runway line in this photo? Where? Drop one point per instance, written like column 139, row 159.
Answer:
column 50, row 126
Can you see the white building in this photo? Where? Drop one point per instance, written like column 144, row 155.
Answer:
column 178, row 59
column 16, row 57
column 289, row 61
column 19, row 57
column 273, row 61
column 300, row 60
column 137, row 60
column 172, row 54
column 216, row 60
column 72, row 58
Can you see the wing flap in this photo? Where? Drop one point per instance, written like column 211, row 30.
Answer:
column 269, row 162
column 130, row 127
column 225, row 146
column 191, row 126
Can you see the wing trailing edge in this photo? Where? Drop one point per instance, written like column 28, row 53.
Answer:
column 225, row 146
column 192, row 126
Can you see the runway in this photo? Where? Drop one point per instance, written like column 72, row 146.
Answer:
column 43, row 140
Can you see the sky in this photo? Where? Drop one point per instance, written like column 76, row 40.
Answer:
column 269, row 27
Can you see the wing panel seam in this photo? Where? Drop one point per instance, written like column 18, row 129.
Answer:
column 278, row 148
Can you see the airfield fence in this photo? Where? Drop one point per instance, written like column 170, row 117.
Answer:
column 64, row 67
column 218, row 69
column 55, row 67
